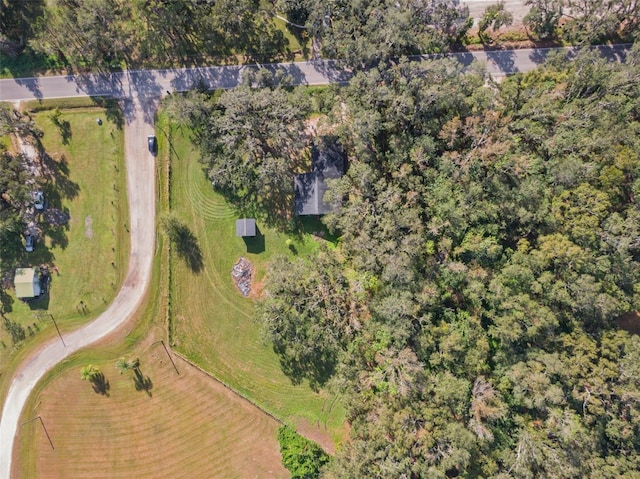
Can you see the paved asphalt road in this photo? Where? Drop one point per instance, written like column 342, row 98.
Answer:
column 155, row 83
column 139, row 92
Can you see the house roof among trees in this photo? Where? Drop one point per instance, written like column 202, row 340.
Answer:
column 327, row 157
column 27, row 282
column 327, row 161
column 246, row 227
column 309, row 193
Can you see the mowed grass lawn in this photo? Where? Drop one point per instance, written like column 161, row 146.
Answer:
column 213, row 324
column 188, row 427
column 87, row 256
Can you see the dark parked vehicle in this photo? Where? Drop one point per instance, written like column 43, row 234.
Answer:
column 30, row 243
column 153, row 144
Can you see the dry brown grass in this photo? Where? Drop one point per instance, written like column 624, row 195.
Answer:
column 190, row 427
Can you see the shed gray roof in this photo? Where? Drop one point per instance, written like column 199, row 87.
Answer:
column 246, row 227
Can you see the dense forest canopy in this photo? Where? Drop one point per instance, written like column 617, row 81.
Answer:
column 103, row 34
column 365, row 32
column 489, row 240
column 489, row 233
column 85, row 35
column 583, row 21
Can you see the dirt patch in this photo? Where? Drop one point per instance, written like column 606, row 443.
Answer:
column 256, row 290
column 630, row 322
column 316, row 434
column 88, row 232
column 242, row 273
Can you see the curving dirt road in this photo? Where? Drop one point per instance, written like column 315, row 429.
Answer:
column 141, row 192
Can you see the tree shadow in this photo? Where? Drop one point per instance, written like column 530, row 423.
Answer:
column 100, row 384
column 505, row 60
column 301, row 34
column 65, row 131
column 313, row 225
column 112, row 110
column 63, row 126
column 538, row 56
column 58, row 172
column 6, row 302
column 316, row 369
column 142, row 383
column 55, row 226
column 188, row 248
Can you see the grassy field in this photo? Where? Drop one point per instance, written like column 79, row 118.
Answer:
column 186, row 426
column 87, row 255
column 189, row 425
column 300, row 51
column 213, row 324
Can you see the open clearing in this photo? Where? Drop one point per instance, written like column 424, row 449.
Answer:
column 189, row 427
column 85, row 186
column 212, row 324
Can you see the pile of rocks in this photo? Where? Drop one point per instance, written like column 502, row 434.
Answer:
column 241, row 273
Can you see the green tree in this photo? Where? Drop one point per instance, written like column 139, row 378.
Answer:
column 494, row 17
column 15, row 195
column 253, row 145
column 93, row 374
column 303, row 458
column 15, row 330
column 104, row 34
column 16, row 21
column 543, row 17
column 488, row 242
column 86, row 33
column 141, row 382
column 587, row 21
column 309, row 318
column 123, row 365
column 368, row 32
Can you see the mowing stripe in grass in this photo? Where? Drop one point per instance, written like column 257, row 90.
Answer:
column 212, row 325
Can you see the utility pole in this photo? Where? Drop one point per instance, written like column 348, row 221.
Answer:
column 169, row 355
column 43, row 427
column 56, row 325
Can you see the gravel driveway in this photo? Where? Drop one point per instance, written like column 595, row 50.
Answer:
column 141, row 194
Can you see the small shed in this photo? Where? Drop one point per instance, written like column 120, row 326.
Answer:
column 27, row 282
column 246, row 227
